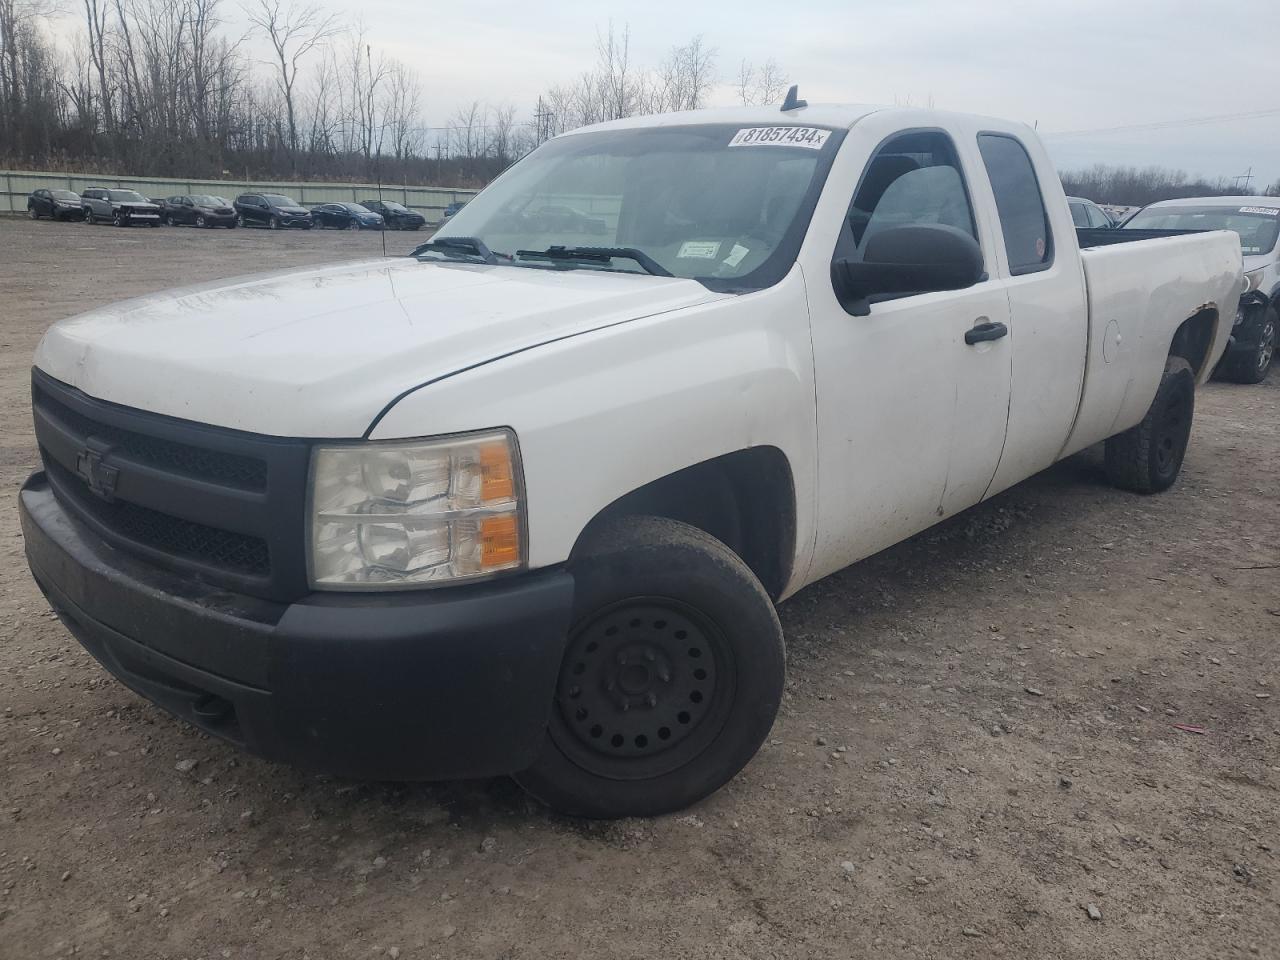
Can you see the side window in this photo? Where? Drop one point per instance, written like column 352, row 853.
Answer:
column 1097, row 217
column 1080, row 215
column 1027, row 238
column 913, row 179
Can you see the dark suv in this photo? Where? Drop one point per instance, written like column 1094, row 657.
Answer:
column 199, row 210
column 396, row 215
column 274, row 210
column 57, row 204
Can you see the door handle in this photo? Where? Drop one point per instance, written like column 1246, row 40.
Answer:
column 984, row 331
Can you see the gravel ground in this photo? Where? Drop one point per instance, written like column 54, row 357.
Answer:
column 977, row 755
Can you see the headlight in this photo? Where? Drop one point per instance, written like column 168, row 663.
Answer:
column 1253, row 280
column 397, row 515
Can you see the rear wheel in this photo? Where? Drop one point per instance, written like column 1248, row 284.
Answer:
column 1253, row 366
column 671, row 679
column 1147, row 458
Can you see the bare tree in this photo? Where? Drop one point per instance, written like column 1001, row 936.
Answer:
column 294, row 32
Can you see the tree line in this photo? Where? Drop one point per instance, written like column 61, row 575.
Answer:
column 165, row 88
column 1137, row 187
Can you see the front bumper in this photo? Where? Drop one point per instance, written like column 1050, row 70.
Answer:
column 440, row 684
column 293, row 220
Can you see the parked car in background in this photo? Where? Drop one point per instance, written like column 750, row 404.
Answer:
column 55, row 204
column 1087, row 214
column 198, row 210
column 122, row 207
column 451, row 209
column 523, row 501
column 396, row 215
column 272, row 210
column 346, row 216
column 1256, row 220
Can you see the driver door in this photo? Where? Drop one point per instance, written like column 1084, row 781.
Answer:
column 911, row 418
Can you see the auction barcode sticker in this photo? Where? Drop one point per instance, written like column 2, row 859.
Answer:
column 1264, row 211
column 812, row 138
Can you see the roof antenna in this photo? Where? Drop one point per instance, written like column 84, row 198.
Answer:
column 793, row 102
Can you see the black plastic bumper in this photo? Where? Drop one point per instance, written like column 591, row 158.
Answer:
column 425, row 685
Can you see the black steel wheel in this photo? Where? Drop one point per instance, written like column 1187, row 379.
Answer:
column 645, row 687
column 671, row 677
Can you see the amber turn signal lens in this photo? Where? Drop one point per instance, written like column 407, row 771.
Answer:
column 499, row 542
column 497, row 477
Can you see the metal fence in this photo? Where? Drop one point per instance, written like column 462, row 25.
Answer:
column 428, row 201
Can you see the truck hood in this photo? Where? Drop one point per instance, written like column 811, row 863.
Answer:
column 321, row 352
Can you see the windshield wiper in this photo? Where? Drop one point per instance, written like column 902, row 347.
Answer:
column 596, row 255
column 468, row 246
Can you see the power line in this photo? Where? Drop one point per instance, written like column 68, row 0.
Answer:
column 1168, row 124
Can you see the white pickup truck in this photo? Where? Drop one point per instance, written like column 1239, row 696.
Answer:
column 523, row 502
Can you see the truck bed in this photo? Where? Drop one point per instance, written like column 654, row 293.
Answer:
column 1106, row 236
column 1140, row 289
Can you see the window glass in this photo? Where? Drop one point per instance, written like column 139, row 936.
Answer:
column 1098, row 217
column 1258, row 227
column 913, row 179
column 1080, row 215
column 1027, row 238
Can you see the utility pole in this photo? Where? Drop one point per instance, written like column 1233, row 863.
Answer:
column 1242, row 181
column 543, row 118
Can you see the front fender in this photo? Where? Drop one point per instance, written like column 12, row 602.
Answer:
column 600, row 414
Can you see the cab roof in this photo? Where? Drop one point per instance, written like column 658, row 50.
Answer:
column 821, row 115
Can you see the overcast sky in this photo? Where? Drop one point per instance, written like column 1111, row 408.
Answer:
column 1069, row 65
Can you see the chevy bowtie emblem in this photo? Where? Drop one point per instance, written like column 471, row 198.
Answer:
column 95, row 472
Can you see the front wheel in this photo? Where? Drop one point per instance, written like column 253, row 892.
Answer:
column 88, row 216
column 117, row 220
column 200, row 221
column 353, row 225
column 273, row 223
column 1253, row 366
column 671, row 679
column 1147, row 458
column 33, row 213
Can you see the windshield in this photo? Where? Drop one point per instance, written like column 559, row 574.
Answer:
column 719, row 203
column 392, row 205
column 64, row 195
column 1258, row 227
column 279, row 200
column 357, row 208
column 204, row 200
column 126, row 196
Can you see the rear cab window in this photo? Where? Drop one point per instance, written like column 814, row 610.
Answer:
column 1024, row 222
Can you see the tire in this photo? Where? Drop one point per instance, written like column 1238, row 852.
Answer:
column 117, row 220
column 1253, row 367
column 231, row 225
column 273, row 223
column 200, row 221
column 1147, row 458
column 88, row 216
column 240, row 219
column 672, row 675
column 417, row 227
column 33, row 213
column 354, row 225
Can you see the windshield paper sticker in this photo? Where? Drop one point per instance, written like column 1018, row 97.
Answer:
column 810, row 138
column 1264, row 211
column 735, row 255
column 699, row 249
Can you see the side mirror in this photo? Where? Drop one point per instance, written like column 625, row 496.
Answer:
column 901, row 261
